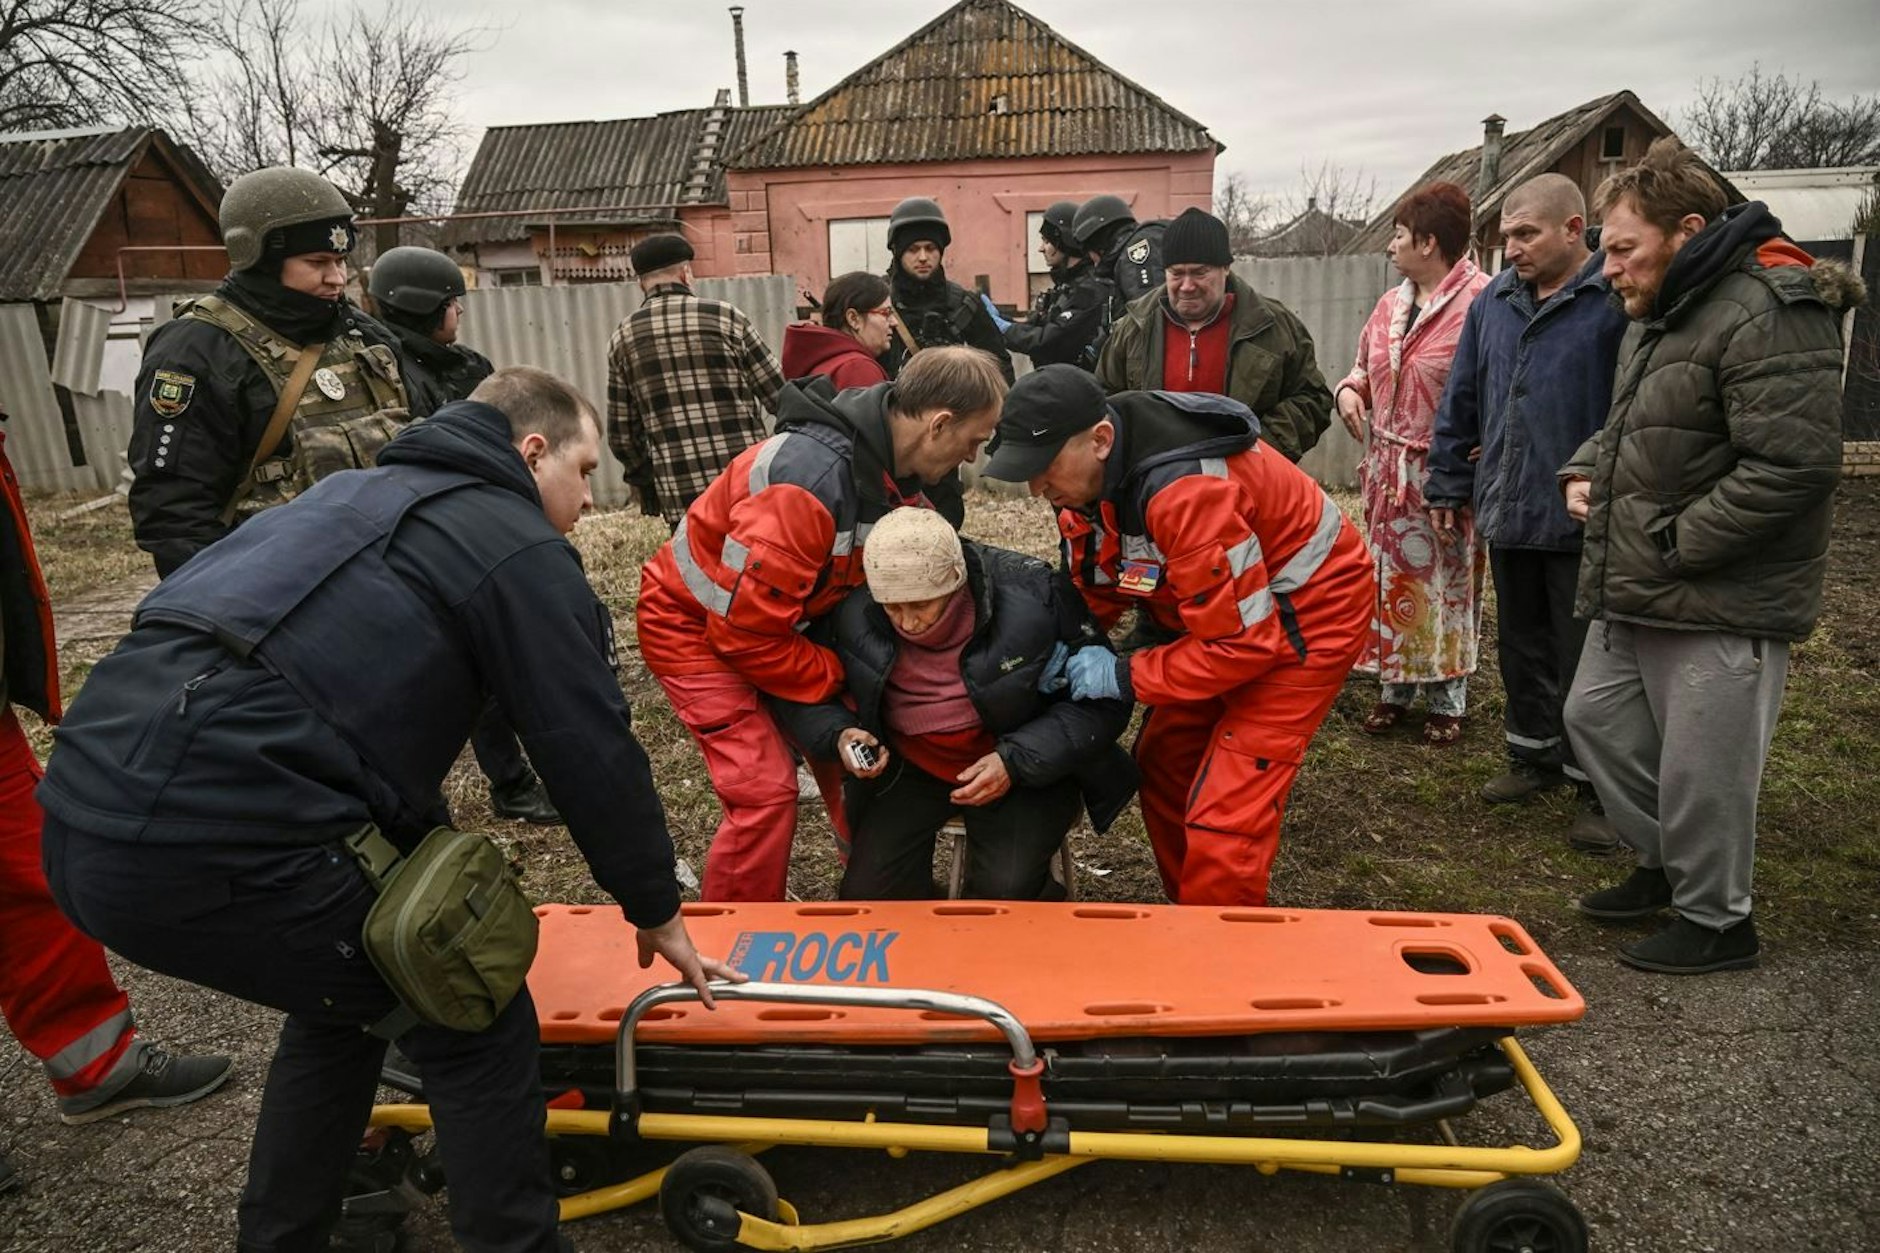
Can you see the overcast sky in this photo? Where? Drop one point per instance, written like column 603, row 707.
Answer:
column 1382, row 88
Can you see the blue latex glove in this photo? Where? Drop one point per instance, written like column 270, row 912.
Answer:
column 1004, row 324
column 1093, row 675
column 1053, row 680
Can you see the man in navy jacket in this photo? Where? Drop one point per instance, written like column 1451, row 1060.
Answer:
column 320, row 669
column 1532, row 380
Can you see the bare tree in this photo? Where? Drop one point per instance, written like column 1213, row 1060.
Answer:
column 1244, row 212
column 1331, row 205
column 366, row 98
column 77, row 62
column 1769, row 121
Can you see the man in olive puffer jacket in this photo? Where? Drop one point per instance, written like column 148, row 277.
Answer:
column 1707, row 499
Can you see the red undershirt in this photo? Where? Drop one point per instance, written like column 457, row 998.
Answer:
column 1196, row 361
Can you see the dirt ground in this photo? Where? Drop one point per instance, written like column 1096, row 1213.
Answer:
column 1735, row 1112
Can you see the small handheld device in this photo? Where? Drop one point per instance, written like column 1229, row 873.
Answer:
column 862, row 755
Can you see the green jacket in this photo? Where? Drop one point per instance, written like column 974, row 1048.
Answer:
column 1270, row 365
column 1713, row 478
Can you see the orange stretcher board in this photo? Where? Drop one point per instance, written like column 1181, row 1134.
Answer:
column 1067, row 971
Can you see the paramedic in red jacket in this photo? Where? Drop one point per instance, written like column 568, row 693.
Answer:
column 1167, row 502
column 773, row 544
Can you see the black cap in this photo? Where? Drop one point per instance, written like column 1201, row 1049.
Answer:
column 657, row 252
column 1042, row 410
column 1196, row 238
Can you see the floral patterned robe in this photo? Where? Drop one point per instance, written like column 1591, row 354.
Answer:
column 1429, row 588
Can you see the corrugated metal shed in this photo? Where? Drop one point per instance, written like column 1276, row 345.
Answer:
column 984, row 79
column 636, row 160
column 1523, row 156
column 54, row 186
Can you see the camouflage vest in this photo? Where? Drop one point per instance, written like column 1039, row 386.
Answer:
column 328, row 432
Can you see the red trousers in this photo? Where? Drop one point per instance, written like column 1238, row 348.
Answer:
column 1216, row 775
column 56, row 991
column 754, row 773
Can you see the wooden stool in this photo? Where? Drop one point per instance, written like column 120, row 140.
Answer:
column 953, row 831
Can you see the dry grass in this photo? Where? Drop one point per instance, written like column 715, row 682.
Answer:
column 1373, row 823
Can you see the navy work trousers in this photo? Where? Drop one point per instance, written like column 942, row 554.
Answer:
column 280, row 926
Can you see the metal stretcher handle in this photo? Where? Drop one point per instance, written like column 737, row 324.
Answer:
column 1024, row 1056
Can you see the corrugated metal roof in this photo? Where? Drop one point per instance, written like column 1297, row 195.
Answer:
column 1523, row 156
column 54, row 185
column 984, row 79
column 636, row 160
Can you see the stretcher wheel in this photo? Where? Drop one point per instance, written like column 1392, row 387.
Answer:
column 1518, row 1216
column 706, row 1188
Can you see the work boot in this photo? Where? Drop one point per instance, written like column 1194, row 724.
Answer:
column 525, row 800
column 159, row 1078
column 1684, row 947
column 1592, row 831
column 1519, row 781
column 1644, row 893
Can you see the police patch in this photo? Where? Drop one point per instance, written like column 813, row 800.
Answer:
column 1138, row 252
column 171, row 391
column 341, row 238
column 328, row 383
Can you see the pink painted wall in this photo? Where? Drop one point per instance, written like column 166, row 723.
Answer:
column 714, row 243
column 780, row 218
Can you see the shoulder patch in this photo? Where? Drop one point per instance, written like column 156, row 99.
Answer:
column 171, row 391
column 1138, row 252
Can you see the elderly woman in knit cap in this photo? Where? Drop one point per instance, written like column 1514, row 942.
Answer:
column 945, row 650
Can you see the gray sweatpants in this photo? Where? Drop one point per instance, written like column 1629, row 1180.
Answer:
column 1673, row 728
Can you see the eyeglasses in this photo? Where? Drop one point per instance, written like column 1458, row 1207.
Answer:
column 885, row 313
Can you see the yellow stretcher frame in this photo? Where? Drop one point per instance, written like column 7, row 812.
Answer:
column 1436, row 1165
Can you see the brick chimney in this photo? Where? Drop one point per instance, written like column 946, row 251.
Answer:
column 1490, row 172
column 790, row 92
column 737, row 34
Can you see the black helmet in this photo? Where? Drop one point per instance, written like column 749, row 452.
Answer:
column 917, row 218
column 1097, row 213
column 1057, row 225
column 415, row 280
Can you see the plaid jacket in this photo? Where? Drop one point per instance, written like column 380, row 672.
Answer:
column 688, row 382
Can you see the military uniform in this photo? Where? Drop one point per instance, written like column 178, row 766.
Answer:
column 1067, row 320
column 436, row 374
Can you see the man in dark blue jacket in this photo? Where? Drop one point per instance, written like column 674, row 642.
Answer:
column 319, row 670
column 1532, row 380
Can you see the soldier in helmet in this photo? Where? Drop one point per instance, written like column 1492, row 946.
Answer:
column 930, row 308
column 1067, row 319
column 418, row 294
column 271, row 382
column 1126, row 253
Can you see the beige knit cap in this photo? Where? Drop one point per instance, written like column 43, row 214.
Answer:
column 913, row 554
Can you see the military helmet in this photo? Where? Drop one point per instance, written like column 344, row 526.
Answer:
column 1056, row 226
column 415, row 280
column 917, row 218
column 270, row 200
column 1097, row 213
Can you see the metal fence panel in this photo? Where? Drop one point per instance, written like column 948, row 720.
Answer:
column 36, row 443
column 1332, row 296
column 78, row 357
column 104, row 423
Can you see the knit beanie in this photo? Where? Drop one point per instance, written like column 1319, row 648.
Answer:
column 913, row 554
column 1196, row 238
column 658, row 252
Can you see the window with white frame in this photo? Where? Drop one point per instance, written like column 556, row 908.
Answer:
column 858, row 244
column 1034, row 258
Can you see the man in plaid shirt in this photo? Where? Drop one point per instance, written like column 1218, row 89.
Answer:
column 688, row 382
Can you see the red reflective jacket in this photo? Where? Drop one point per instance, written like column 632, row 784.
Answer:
column 32, row 655
column 773, row 544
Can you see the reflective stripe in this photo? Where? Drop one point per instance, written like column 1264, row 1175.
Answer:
column 1306, row 562
column 1522, row 741
column 1139, row 548
column 1243, row 555
column 1214, row 467
column 89, row 1047
column 1256, row 606
column 736, row 553
column 760, row 467
column 844, row 545
column 697, row 582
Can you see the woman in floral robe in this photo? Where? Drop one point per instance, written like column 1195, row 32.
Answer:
column 1423, row 635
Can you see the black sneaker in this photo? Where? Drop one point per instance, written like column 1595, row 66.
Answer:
column 162, row 1079
column 1643, row 894
column 1685, row 948
column 1592, row 831
column 1519, row 781
column 525, row 800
